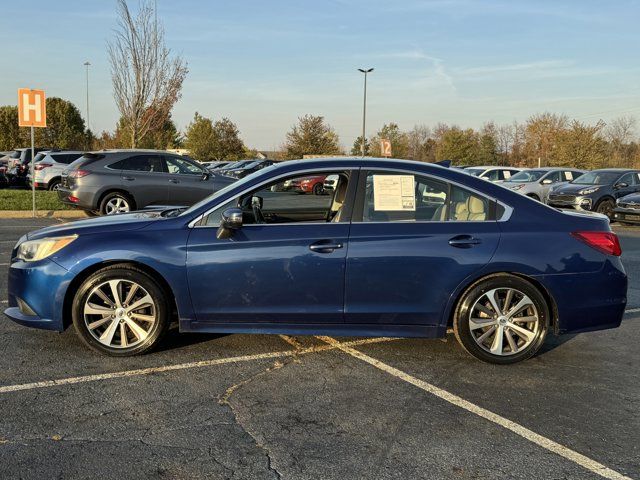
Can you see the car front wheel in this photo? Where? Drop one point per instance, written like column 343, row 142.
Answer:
column 502, row 319
column 606, row 208
column 121, row 311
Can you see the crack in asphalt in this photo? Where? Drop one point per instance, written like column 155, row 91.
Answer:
column 225, row 398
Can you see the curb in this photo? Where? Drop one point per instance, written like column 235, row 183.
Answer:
column 42, row 214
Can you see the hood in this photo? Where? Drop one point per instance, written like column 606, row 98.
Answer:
column 110, row 223
column 631, row 198
column 572, row 188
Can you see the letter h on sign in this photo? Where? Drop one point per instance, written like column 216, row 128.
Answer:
column 32, row 110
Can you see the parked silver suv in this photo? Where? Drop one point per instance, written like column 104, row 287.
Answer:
column 49, row 165
column 537, row 182
column 118, row 181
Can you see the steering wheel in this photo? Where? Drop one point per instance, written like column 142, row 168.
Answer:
column 257, row 211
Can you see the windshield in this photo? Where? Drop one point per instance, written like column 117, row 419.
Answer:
column 476, row 172
column 597, row 178
column 238, row 164
column 15, row 154
column 222, row 191
column 251, row 165
column 528, row 176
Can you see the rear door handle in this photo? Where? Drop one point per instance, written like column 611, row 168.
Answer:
column 464, row 241
column 130, row 179
column 324, row 247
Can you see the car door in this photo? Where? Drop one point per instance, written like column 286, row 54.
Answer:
column 408, row 255
column 144, row 177
column 632, row 185
column 188, row 183
column 289, row 269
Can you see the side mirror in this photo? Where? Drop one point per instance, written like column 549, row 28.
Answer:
column 231, row 221
column 206, row 175
column 547, row 181
column 620, row 185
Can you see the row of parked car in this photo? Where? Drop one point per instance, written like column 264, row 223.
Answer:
column 614, row 192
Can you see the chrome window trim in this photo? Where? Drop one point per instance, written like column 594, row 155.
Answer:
column 508, row 210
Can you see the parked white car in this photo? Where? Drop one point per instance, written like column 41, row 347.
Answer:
column 493, row 174
column 49, row 165
column 537, row 182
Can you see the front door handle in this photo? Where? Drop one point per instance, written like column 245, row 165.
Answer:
column 173, row 180
column 129, row 179
column 324, row 247
column 463, row 241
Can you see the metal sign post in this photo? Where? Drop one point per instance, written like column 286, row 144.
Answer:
column 32, row 112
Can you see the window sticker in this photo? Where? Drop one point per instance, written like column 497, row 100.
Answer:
column 394, row 193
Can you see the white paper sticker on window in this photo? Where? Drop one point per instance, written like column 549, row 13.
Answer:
column 394, row 193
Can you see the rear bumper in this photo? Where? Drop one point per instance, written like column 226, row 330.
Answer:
column 589, row 301
column 41, row 286
column 85, row 200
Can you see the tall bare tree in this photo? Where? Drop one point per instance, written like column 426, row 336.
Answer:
column 147, row 78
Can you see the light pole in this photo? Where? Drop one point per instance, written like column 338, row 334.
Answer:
column 364, row 108
column 86, row 64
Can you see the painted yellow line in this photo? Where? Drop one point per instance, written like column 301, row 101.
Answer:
column 514, row 427
column 179, row 366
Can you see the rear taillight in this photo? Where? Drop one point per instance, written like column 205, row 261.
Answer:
column 606, row 242
column 73, row 199
column 42, row 166
column 78, row 173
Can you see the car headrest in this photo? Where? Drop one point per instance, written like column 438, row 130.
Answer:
column 475, row 205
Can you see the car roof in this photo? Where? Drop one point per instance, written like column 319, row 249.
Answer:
column 615, row 170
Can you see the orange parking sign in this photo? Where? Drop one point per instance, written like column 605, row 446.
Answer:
column 385, row 147
column 32, row 108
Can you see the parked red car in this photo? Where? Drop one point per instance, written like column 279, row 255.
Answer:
column 313, row 184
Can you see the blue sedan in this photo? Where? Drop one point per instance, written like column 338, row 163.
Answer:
column 395, row 248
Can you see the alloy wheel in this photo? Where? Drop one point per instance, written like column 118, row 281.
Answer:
column 119, row 313
column 504, row 321
column 117, row 205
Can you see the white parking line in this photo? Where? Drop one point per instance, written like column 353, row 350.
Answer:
column 181, row 366
column 632, row 310
column 516, row 428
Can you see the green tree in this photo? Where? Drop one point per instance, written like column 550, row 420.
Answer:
column 581, row 146
column 421, row 144
column 65, row 126
column 399, row 141
column 166, row 136
column 488, row 145
column 199, row 138
column 11, row 136
column 227, row 144
column 460, row 146
column 311, row 136
column 356, row 150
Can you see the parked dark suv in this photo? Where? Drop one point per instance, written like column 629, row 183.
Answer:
column 117, row 181
column 596, row 190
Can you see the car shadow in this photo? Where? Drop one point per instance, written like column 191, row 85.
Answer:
column 174, row 339
column 554, row 341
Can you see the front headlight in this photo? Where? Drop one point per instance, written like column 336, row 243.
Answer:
column 34, row 250
column 588, row 191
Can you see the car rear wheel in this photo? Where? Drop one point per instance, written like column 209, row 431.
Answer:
column 121, row 311
column 116, row 202
column 317, row 189
column 606, row 207
column 54, row 185
column 502, row 319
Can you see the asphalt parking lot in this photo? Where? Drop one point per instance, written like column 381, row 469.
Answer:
column 258, row 406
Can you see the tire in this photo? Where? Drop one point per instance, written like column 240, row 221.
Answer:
column 606, row 207
column 318, row 189
column 53, row 185
column 475, row 303
column 116, row 202
column 143, row 327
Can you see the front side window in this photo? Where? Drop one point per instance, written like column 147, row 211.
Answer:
column 399, row 197
column 181, row 166
column 554, row 177
column 290, row 200
column 629, row 179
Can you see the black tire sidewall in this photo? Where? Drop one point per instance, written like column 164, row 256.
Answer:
column 125, row 197
column 124, row 273
column 609, row 202
column 461, row 318
column 53, row 184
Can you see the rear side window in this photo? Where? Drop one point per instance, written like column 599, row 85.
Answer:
column 399, row 197
column 140, row 163
column 66, row 158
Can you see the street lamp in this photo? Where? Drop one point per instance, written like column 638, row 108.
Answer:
column 86, row 64
column 364, row 108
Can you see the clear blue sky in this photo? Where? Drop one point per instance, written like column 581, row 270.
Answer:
column 264, row 63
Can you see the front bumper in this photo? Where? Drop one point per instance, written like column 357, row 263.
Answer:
column 36, row 294
column 570, row 201
column 627, row 215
